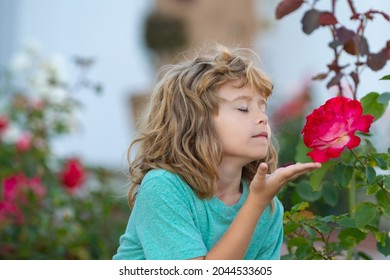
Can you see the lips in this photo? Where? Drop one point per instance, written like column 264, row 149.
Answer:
column 263, row 134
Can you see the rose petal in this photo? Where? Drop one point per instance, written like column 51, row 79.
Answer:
column 318, row 155
column 353, row 142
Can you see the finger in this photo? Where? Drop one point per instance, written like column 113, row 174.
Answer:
column 293, row 171
column 261, row 172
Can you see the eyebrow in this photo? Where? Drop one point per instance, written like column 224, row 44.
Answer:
column 242, row 97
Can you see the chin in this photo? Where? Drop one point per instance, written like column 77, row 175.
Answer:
column 258, row 157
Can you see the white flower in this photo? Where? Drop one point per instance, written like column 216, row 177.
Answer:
column 12, row 134
column 20, row 63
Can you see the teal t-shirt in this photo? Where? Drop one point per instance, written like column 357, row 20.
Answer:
column 169, row 222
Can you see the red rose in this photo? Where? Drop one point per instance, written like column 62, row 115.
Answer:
column 73, row 174
column 3, row 124
column 331, row 127
column 16, row 194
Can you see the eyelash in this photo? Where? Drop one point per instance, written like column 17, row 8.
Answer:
column 246, row 110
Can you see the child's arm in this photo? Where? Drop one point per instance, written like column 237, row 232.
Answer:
column 234, row 243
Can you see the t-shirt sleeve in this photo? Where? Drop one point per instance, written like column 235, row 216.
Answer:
column 274, row 238
column 164, row 222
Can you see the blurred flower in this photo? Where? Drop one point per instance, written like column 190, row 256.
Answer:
column 73, row 174
column 3, row 124
column 18, row 191
column 331, row 127
column 12, row 134
column 24, row 142
column 9, row 211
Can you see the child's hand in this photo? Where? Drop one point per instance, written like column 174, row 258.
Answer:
column 266, row 186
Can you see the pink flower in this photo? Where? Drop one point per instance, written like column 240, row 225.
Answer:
column 9, row 211
column 73, row 174
column 15, row 195
column 23, row 144
column 331, row 127
column 3, row 124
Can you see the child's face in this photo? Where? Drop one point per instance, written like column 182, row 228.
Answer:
column 242, row 124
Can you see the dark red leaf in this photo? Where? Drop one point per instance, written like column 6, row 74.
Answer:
column 355, row 77
column 311, row 21
column 377, row 61
column 351, row 47
column 327, row 18
column 335, row 80
column 357, row 46
column 388, row 49
column 286, row 7
column 334, row 67
column 344, row 34
column 320, row 76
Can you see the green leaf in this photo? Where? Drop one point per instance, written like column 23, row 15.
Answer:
column 380, row 160
column 371, row 174
column 297, row 241
column 350, row 237
column 372, row 106
column 384, row 249
column 343, row 174
column 387, row 77
column 365, row 213
column 347, row 222
column 384, row 98
column 317, row 176
column 381, row 198
column 310, row 231
column 372, row 189
column 386, row 182
column 290, row 227
column 331, row 194
column 305, row 191
column 299, row 207
column 386, row 211
column 304, row 252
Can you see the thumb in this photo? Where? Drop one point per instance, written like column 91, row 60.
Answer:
column 261, row 172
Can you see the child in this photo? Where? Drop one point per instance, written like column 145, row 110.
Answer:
column 205, row 166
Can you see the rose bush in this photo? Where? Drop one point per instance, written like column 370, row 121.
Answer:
column 50, row 207
column 347, row 201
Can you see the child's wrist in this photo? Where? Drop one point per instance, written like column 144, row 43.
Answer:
column 257, row 200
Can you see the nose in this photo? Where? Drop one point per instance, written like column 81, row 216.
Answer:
column 261, row 117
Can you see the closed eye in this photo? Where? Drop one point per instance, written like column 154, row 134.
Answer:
column 243, row 110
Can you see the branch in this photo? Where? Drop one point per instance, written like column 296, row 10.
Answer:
column 352, row 7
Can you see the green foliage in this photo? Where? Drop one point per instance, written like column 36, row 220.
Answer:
column 332, row 210
column 375, row 104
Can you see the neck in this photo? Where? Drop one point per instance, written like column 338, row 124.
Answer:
column 229, row 178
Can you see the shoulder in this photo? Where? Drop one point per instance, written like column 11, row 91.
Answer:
column 162, row 183
column 161, row 174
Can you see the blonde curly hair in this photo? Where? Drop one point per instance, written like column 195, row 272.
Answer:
column 178, row 134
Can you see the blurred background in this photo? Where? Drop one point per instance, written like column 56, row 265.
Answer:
column 106, row 54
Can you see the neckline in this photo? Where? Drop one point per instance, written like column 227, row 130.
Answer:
column 219, row 203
